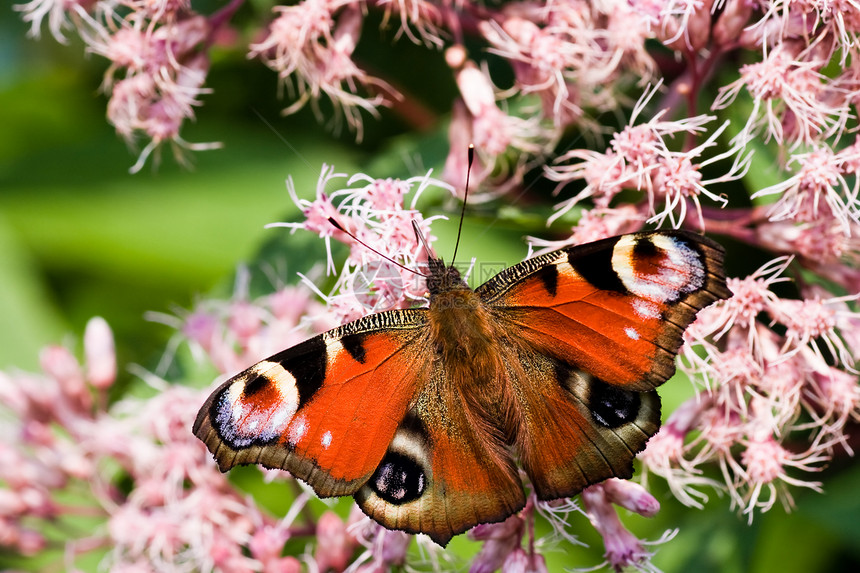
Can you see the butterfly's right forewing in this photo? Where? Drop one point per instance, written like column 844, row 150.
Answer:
column 616, row 308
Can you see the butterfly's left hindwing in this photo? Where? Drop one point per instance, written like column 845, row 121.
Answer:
column 577, row 430
column 325, row 410
column 445, row 471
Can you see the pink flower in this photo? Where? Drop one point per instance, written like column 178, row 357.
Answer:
column 546, row 59
column 176, row 510
column 750, row 296
column 519, row 561
column 500, row 540
column 267, row 546
column 823, row 245
column 730, row 23
column 162, row 71
column 631, row 496
column 384, row 548
column 593, row 225
column 765, row 463
column 100, row 354
column 835, row 397
column 417, row 16
column 761, row 383
column 57, row 12
column 566, row 53
column 819, row 190
column 59, row 364
column 235, row 334
column 311, row 50
column 334, row 548
column 375, row 211
column 811, row 320
column 665, row 454
column 623, row 549
column 641, row 159
column 493, row 130
column 788, row 98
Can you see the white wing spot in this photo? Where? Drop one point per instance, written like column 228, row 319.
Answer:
column 333, row 347
column 326, row 440
column 646, row 309
column 298, row 429
column 631, row 333
column 687, row 270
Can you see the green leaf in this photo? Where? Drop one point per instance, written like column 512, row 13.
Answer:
column 30, row 317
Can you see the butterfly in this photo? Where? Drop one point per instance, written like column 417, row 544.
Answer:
column 426, row 415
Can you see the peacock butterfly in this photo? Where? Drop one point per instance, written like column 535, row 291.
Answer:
column 424, row 415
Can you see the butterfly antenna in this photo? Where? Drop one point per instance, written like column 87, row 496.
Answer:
column 465, row 199
column 339, row 227
column 419, row 236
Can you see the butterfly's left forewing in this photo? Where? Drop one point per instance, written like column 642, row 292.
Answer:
column 326, row 409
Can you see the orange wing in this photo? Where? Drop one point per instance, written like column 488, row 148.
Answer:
column 597, row 328
column 325, row 410
column 615, row 309
column 446, row 470
column 576, row 430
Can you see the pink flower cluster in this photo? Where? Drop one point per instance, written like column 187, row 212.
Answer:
column 640, row 158
column 135, row 471
column 570, row 58
column 158, row 62
column 234, row 334
column 374, row 212
column 774, row 369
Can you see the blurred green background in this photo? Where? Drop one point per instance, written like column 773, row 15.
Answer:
column 80, row 236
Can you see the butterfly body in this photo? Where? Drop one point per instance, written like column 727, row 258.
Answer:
column 425, row 415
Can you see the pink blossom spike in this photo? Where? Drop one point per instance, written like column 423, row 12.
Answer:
column 640, row 159
column 310, row 47
column 499, row 541
column 623, row 549
column 519, row 561
column 765, row 468
column 61, row 365
column 818, row 190
column 334, row 549
column 57, row 13
column 632, row 496
column 100, row 354
column 419, row 21
column 267, row 546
